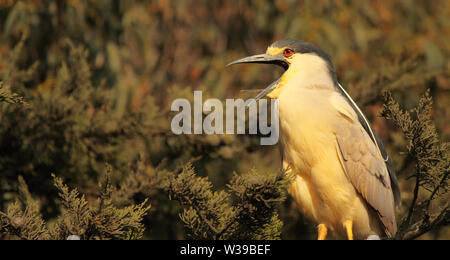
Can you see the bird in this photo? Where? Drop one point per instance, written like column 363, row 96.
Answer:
column 343, row 179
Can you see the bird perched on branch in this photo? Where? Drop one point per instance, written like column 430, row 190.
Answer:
column 344, row 180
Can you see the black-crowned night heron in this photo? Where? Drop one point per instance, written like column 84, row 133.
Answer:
column 344, row 180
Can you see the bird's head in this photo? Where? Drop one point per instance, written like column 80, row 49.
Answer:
column 293, row 56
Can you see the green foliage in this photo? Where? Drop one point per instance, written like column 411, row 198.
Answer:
column 7, row 96
column 67, row 126
column 208, row 212
column 248, row 211
column 99, row 220
column 432, row 169
column 257, row 196
column 432, row 157
column 105, row 221
column 22, row 218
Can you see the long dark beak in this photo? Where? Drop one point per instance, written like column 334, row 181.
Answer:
column 267, row 59
column 262, row 58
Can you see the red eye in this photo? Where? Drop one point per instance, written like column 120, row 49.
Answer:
column 288, row 52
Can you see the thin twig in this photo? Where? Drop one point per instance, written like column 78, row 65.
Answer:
column 441, row 219
column 438, row 187
column 413, row 203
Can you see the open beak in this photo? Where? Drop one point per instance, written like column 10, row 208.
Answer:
column 267, row 59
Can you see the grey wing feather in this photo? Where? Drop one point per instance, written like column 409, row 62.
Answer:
column 377, row 141
column 366, row 170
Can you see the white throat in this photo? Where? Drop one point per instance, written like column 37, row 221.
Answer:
column 309, row 71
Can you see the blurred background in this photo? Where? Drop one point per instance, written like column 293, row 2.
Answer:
column 99, row 77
